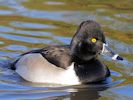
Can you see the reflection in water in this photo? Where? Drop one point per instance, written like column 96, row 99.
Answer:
column 30, row 24
column 85, row 95
column 16, row 88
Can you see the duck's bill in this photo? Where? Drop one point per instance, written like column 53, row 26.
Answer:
column 107, row 51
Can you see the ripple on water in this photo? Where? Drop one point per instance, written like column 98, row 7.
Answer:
column 127, row 16
column 64, row 40
column 54, row 3
column 32, row 25
column 5, row 12
column 6, row 29
column 119, row 93
column 120, row 47
column 34, row 33
column 16, row 48
column 25, row 39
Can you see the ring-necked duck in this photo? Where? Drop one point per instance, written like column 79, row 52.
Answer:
column 72, row 64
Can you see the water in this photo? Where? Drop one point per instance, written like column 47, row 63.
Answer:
column 32, row 24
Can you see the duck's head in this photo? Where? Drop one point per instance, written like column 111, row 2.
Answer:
column 89, row 41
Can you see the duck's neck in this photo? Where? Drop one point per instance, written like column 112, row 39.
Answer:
column 80, row 61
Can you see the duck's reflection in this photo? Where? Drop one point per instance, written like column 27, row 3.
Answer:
column 85, row 95
column 91, row 91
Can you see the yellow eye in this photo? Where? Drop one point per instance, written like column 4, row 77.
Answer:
column 93, row 40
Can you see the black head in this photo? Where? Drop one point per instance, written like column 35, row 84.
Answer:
column 88, row 41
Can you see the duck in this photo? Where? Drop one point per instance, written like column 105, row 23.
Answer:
column 73, row 64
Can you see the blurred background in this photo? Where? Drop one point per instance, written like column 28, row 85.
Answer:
column 30, row 24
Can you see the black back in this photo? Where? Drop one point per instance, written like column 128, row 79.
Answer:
column 60, row 56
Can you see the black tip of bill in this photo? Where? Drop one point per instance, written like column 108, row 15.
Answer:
column 119, row 58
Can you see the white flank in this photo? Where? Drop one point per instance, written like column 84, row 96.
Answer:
column 34, row 68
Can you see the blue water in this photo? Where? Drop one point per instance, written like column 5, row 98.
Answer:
column 28, row 24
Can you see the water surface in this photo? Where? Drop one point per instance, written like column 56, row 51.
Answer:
column 32, row 24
